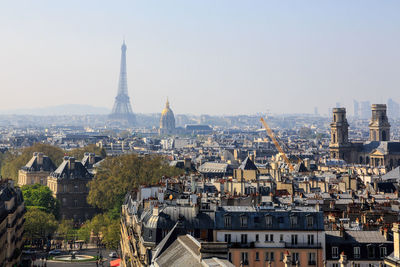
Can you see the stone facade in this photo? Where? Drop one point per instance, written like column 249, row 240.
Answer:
column 377, row 151
column 69, row 184
column 12, row 212
column 36, row 170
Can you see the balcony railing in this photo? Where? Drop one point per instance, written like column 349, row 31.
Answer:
column 302, row 245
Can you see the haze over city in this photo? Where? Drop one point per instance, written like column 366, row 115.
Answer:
column 208, row 57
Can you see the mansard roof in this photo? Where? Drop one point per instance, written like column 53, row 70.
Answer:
column 34, row 165
column 71, row 169
column 86, row 160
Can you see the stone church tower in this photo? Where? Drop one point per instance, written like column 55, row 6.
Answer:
column 340, row 147
column 379, row 127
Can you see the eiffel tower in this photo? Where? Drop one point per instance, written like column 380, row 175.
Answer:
column 122, row 110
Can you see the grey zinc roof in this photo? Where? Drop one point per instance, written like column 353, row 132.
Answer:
column 214, row 167
column 392, row 175
column 182, row 252
column 356, row 237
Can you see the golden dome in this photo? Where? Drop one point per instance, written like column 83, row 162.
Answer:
column 166, row 109
column 167, row 120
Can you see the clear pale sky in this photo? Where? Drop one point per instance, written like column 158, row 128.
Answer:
column 208, row 57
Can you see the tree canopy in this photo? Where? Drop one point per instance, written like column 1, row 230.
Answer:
column 41, row 197
column 78, row 153
column 39, row 224
column 16, row 159
column 118, row 175
column 11, row 162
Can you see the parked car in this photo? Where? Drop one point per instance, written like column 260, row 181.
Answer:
column 55, row 252
column 113, row 255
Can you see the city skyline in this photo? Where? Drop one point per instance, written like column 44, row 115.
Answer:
column 251, row 59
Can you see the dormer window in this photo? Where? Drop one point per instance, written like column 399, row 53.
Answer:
column 228, row 221
column 310, row 221
column 268, row 221
column 293, row 221
column 243, row 221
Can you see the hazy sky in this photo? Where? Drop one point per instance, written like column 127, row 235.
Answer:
column 214, row 57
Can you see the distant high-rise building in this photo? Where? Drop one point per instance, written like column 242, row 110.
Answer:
column 356, row 109
column 365, row 109
column 122, row 110
column 393, row 109
column 316, row 111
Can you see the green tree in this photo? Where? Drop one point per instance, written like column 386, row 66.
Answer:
column 41, row 197
column 106, row 229
column 85, row 231
column 78, row 153
column 112, row 234
column 39, row 224
column 16, row 159
column 66, row 229
column 118, row 175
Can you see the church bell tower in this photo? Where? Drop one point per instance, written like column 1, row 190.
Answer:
column 379, row 126
column 339, row 146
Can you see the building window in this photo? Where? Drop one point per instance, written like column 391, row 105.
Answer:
column 357, row 265
column 257, row 256
column 281, row 238
column 268, row 221
column 269, row 238
column 41, row 181
column 295, row 258
column 228, row 221
column 75, row 202
column 257, row 239
column 150, row 233
column 335, row 264
column 281, row 257
column 335, row 252
column 382, row 252
column 64, row 201
column 310, row 221
column 243, row 238
column 310, row 239
column 280, row 219
column 272, row 256
column 356, row 252
column 76, row 188
column 65, row 188
column 256, row 220
column 245, row 258
column 294, row 239
column 311, row 258
column 228, row 238
column 371, row 252
column 229, row 257
column 243, row 221
column 293, row 221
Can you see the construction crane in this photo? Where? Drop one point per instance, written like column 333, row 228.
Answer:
column 272, row 136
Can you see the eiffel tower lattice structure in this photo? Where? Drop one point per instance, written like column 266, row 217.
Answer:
column 122, row 109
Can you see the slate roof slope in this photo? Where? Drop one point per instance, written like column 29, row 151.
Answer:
column 385, row 147
column 64, row 170
column 392, row 175
column 86, row 160
column 356, row 237
column 33, row 164
column 248, row 164
column 214, row 167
